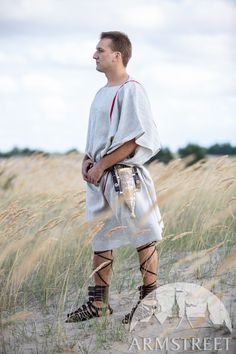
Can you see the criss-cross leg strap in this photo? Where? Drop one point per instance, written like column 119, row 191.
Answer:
column 152, row 244
column 96, row 293
column 144, row 290
column 106, row 265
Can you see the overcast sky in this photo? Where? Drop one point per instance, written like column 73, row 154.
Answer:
column 183, row 54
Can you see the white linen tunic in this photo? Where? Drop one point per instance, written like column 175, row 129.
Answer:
column 131, row 118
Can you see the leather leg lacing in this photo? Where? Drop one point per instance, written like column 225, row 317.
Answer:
column 95, row 293
column 144, row 290
column 99, row 253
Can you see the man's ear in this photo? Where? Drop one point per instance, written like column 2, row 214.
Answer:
column 118, row 54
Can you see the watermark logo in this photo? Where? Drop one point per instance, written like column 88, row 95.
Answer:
column 185, row 304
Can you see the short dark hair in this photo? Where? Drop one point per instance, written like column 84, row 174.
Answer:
column 120, row 43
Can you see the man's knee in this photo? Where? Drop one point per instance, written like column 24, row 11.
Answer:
column 147, row 245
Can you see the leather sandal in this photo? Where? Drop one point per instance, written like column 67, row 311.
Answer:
column 89, row 310
column 96, row 293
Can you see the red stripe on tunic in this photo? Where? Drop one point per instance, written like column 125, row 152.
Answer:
column 114, row 99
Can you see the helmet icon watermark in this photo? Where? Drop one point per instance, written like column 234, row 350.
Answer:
column 182, row 300
column 181, row 303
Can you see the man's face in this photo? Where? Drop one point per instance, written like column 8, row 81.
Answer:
column 104, row 56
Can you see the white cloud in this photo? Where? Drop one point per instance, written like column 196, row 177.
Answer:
column 8, row 84
column 60, row 17
column 41, row 83
column 53, row 108
column 24, row 9
column 189, row 80
column 145, row 16
column 183, row 53
column 188, row 16
column 68, row 52
column 16, row 59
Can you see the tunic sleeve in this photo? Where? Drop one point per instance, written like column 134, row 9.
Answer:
column 133, row 118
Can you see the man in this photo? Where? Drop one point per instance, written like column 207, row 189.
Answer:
column 122, row 136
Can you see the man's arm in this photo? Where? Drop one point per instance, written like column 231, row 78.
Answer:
column 118, row 155
column 95, row 173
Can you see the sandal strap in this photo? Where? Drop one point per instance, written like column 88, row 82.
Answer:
column 98, row 293
column 147, row 259
column 101, row 293
column 146, row 246
column 86, row 312
column 128, row 317
column 91, row 293
column 144, row 290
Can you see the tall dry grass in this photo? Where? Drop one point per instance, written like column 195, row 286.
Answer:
column 45, row 253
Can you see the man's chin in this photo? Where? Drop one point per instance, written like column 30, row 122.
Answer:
column 99, row 69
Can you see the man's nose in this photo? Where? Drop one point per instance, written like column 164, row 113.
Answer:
column 95, row 55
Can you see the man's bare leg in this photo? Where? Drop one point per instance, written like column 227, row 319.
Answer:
column 98, row 294
column 104, row 274
column 148, row 258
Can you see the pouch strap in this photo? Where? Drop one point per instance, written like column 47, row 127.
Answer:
column 116, row 179
column 136, row 178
